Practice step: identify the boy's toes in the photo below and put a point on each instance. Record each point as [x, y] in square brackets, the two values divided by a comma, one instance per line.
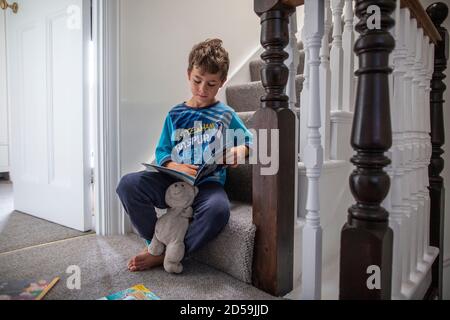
[134, 269]
[131, 263]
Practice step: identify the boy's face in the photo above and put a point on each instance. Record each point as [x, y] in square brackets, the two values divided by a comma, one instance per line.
[204, 86]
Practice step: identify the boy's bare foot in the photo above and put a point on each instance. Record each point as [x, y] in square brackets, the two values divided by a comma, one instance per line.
[144, 261]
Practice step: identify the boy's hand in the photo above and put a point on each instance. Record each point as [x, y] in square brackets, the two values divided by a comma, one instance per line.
[185, 168]
[236, 156]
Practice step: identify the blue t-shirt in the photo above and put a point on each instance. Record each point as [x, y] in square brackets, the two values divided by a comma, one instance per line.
[189, 133]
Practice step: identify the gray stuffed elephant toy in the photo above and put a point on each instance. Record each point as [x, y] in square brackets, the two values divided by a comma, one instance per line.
[171, 227]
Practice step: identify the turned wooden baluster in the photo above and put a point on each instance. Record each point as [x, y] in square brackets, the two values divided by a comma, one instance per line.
[407, 162]
[438, 12]
[366, 239]
[337, 57]
[429, 153]
[396, 172]
[304, 95]
[325, 84]
[292, 62]
[348, 41]
[313, 159]
[415, 196]
[273, 195]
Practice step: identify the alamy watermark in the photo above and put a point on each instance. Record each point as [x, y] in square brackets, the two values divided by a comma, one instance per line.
[374, 280]
[73, 282]
[263, 146]
[374, 19]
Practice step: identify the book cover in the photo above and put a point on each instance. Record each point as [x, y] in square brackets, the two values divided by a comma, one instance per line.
[138, 292]
[26, 289]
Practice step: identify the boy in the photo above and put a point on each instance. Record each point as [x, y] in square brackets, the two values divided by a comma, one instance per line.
[140, 193]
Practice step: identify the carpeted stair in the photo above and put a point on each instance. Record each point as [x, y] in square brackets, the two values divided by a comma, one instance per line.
[232, 251]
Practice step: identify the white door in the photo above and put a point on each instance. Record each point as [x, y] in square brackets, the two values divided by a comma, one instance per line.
[47, 54]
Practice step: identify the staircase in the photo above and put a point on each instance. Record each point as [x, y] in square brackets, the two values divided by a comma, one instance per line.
[232, 251]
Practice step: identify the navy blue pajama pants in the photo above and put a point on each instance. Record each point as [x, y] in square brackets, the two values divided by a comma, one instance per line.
[141, 192]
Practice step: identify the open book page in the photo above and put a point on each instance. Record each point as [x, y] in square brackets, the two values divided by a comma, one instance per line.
[204, 171]
[173, 173]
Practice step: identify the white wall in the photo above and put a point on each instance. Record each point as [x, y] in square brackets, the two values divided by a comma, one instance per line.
[446, 172]
[156, 38]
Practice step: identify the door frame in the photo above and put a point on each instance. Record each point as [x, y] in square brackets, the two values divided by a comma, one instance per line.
[8, 113]
[110, 217]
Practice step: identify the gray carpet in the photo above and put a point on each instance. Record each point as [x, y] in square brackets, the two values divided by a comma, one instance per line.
[103, 271]
[232, 250]
[22, 231]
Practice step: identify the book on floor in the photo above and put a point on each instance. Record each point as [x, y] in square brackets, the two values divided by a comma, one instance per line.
[26, 289]
[137, 292]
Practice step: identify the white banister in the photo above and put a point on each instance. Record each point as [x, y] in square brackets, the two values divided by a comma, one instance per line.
[313, 159]
[292, 62]
[416, 149]
[348, 41]
[407, 164]
[427, 253]
[408, 201]
[325, 84]
[396, 172]
[304, 95]
[337, 57]
[423, 161]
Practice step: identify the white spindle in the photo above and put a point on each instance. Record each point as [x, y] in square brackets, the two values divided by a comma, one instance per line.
[431, 48]
[304, 98]
[313, 159]
[337, 57]
[396, 171]
[423, 162]
[415, 159]
[325, 84]
[406, 184]
[348, 41]
[292, 62]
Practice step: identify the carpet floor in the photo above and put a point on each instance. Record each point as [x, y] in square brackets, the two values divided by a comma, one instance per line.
[22, 231]
[102, 264]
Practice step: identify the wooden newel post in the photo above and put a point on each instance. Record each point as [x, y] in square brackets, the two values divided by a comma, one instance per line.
[366, 239]
[273, 192]
[438, 12]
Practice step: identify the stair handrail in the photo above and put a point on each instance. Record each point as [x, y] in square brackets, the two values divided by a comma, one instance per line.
[422, 18]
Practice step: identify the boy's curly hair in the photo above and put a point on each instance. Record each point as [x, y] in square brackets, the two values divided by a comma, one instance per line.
[209, 56]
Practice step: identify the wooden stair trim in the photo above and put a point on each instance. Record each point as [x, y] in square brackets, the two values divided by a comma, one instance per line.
[423, 20]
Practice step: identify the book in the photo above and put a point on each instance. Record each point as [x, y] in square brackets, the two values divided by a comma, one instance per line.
[210, 165]
[26, 289]
[203, 171]
[137, 292]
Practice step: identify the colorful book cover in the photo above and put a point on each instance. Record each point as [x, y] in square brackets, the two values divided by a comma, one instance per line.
[138, 292]
[25, 289]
